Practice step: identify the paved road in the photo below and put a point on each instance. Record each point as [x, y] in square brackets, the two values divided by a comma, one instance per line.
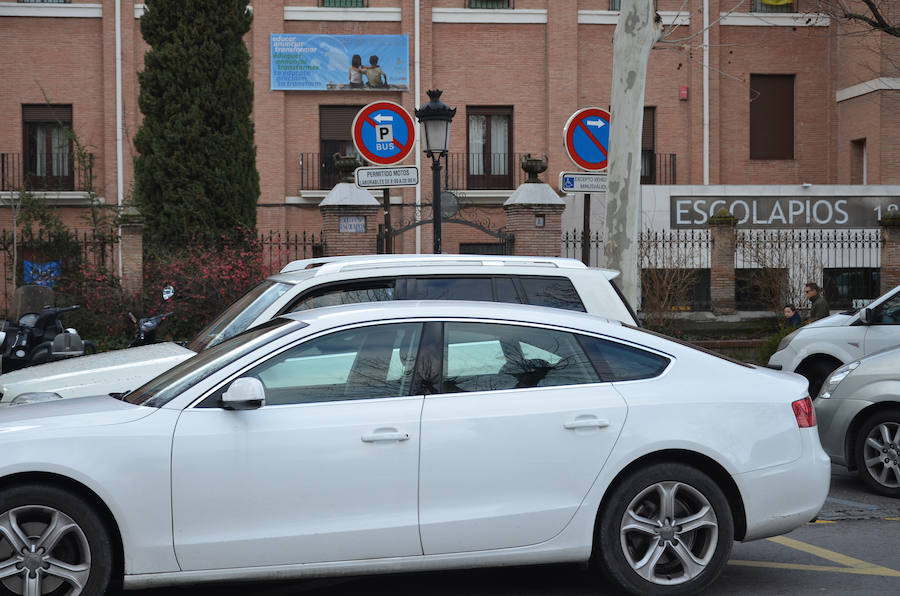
[851, 549]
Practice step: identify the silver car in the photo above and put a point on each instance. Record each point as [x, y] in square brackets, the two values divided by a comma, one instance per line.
[858, 410]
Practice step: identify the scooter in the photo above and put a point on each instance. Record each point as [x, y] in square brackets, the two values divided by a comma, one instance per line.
[145, 329]
[39, 338]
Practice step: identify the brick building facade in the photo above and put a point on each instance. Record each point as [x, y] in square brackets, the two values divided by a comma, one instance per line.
[519, 69]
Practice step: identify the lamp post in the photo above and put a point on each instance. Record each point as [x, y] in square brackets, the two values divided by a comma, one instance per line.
[435, 117]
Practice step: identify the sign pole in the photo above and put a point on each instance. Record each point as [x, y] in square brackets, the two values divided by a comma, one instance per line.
[586, 231]
[388, 238]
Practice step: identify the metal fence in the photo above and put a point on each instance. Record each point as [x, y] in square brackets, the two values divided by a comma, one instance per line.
[773, 266]
[279, 248]
[43, 258]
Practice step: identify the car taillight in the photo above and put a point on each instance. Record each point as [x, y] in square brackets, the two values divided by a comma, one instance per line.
[805, 413]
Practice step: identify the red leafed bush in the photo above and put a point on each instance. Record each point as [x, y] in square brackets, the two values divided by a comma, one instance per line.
[206, 276]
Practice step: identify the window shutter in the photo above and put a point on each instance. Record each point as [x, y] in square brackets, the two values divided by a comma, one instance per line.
[771, 116]
[648, 132]
[46, 113]
[335, 122]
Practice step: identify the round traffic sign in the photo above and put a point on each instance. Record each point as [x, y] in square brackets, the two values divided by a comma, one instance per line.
[383, 132]
[586, 136]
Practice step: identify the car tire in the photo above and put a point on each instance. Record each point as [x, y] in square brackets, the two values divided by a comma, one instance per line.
[877, 452]
[59, 540]
[642, 547]
[816, 372]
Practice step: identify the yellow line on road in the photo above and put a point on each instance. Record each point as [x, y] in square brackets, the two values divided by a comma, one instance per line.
[823, 521]
[882, 571]
[892, 518]
[848, 564]
[829, 555]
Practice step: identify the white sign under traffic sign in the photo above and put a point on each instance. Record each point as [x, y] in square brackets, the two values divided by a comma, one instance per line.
[582, 182]
[387, 177]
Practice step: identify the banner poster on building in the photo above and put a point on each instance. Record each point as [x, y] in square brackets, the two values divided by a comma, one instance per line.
[339, 62]
[783, 211]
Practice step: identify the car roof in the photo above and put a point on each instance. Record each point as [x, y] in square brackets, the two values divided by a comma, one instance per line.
[524, 313]
[406, 264]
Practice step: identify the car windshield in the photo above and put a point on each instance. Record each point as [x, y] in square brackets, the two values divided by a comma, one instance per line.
[240, 315]
[173, 382]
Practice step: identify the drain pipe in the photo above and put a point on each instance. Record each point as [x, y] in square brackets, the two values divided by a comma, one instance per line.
[120, 174]
[705, 92]
[418, 145]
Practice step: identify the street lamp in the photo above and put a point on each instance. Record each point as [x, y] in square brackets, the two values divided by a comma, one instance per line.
[435, 117]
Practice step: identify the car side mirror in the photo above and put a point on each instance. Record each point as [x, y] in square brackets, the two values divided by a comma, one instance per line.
[865, 316]
[246, 393]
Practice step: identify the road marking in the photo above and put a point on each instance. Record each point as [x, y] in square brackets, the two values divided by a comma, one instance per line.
[853, 504]
[848, 564]
[823, 521]
[892, 518]
[882, 571]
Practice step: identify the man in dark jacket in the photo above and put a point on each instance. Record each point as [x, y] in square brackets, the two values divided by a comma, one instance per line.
[818, 308]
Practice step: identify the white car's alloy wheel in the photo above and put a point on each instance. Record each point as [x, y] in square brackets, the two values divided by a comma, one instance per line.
[669, 533]
[666, 529]
[44, 550]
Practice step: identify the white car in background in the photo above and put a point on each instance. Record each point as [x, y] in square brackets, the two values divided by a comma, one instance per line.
[393, 437]
[310, 283]
[816, 349]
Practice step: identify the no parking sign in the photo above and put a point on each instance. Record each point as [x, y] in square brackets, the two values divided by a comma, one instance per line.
[383, 132]
[586, 136]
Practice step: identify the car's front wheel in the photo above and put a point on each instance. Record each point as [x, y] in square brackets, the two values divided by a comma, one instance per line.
[51, 543]
[667, 529]
[877, 452]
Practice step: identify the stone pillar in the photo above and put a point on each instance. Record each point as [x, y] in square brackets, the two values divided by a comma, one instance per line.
[890, 253]
[534, 214]
[350, 215]
[721, 262]
[132, 238]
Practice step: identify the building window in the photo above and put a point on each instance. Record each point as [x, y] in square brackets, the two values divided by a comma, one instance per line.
[342, 3]
[490, 147]
[772, 6]
[771, 116]
[335, 136]
[490, 3]
[844, 285]
[648, 147]
[48, 147]
[858, 174]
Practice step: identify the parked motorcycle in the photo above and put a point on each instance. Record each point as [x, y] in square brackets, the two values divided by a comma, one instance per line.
[39, 338]
[145, 329]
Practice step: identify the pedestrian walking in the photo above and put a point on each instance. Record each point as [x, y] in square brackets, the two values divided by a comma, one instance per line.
[818, 307]
[791, 317]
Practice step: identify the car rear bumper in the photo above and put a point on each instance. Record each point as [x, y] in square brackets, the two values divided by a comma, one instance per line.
[781, 498]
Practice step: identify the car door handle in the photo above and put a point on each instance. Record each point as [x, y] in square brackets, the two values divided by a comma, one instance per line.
[384, 435]
[586, 422]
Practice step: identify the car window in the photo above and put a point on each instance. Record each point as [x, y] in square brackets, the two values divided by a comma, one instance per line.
[173, 382]
[490, 356]
[240, 315]
[555, 292]
[350, 293]
[620, 362]
[360, 363]
[505, 290]
[888, 312]
[450, 288]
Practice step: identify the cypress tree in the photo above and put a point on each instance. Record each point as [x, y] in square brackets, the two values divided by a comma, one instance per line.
[196, 169]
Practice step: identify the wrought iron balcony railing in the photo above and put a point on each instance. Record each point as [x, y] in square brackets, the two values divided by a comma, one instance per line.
[59, 172]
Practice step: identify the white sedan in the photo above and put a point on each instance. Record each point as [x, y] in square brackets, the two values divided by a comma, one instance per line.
[409, 436]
